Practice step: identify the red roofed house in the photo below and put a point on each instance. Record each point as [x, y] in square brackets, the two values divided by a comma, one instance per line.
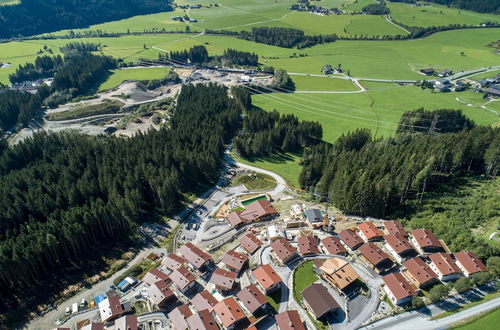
[252, 299]
[255, 211]
[289, 320]
[425, 241]
[183, 279]
[419, 272]
[283, 250]
[160, 294]
[177, 318]
[267, 278]
[202, 320]
[395, 227]
[223, 280]
[398, 289]
[195, 256]
[172, 261]
[93, 326]
[110, 308]
[204, 300]
[229, 313]
[469, 263]
[235, 261]
[444, 266]
[369, 233]
[127, 322]
[332, 245]
[154, 276]
[377, 259]
[350, 239]
[308, 245]
[399, 247]
[251, 243]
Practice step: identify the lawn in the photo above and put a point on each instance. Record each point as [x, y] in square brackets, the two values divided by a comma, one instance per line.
[85, 110]
[136, 74]
[488, 321]
[303, 277]
[312, 83]
[255, 181]
[484, 75]
[436, 15]
[274, 299]
[469, 305]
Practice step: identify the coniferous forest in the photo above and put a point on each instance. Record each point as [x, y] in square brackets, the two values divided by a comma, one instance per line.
[62, 193]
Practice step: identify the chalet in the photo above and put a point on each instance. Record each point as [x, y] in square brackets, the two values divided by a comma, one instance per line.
[369, 233]
[251, 243]
[445, 73]
[283, 250]
[195, 256]
[267, 278]
[399, 291]
[154, 276]
[350, 239]
[399, 247]
[419, 272]
[203, 320]
[252, 299]
[289, 320]
[395, 227]
[374, 257]
[183, 279]
[428, 71]
[339, 273]
[444, 266]
[314, 218]
[469, 263]
[160, 294]
[177, 318]
[425, 241]
[235, 261]
[110, 308]
[256, 211]
[223, 280]
[204, 300]
[93, 326]
[172, 261]
[319, 301]
[332, 245]
[229, 313]
[327, 69]
[308, 245]
[127, 322]
[492, 92]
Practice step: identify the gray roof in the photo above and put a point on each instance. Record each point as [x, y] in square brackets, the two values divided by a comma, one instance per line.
[314, 215]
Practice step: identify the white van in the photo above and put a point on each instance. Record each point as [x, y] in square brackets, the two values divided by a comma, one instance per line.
[74, 308]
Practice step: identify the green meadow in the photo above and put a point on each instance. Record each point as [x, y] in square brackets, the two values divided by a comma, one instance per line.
[312, 83]
[136, 74]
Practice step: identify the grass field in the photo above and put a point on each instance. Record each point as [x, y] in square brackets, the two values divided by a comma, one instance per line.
[255, 181]
[488, 321]
[86, 110]
[436, 15]
[485, 75]
[136, 74]
[469, 305]
[311, 83]
[303, 277]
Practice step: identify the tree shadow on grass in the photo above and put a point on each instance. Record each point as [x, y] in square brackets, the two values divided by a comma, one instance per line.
[278, 158]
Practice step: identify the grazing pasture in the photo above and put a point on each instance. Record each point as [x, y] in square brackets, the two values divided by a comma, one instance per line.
[136, 74]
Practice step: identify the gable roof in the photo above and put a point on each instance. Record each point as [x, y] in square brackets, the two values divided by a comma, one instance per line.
[179, 316]
[251, 243]
[398, 243]
[110, 307]
[204, 300]
[182, 277]
[319, 299]
[252, 298]
[470, 262]
[252, 212]
[289, 320]
[350, 238]
[308, 245]
[425, 238]
[399, 287]
[395, 227]
[229, 312]
[332, 245]
[314, 215]
[283, 248]
[172, 261]
[266, 276]
[194, 255]
[223, 278]
[339, 271]
[159, 292]
[369, 230]
[202, 320]
[420, 270]
[444, 263]
[235, 260]
[154, 275]
[373, 254]
[127, 322]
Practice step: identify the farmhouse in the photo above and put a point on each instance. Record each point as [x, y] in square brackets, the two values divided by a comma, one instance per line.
[399, 247]
[283, 250]
[252, 298]
[369, 233]
[425, 241]
[289, 320]
[204, 300]
[351, 239]
[308, 245]
[127, 322]
[154, 276]
[229, 313]
[398, 289]
[172, 261]
[327, 69]
[255, 211]
[339, 273]
[183, 279]
[428, 71]
[160, 294]
[267, 278]
[445, 73]
[493, 92]
[177, 318]
[251, 243]
[223, 279]
[332, 245]
[318, 300]
[110, 308]
[469, 263]
[235, 261]
[395, 227]
[444, 266]
[374, 257]
[419, 272]
[195, 257]
[203, 320]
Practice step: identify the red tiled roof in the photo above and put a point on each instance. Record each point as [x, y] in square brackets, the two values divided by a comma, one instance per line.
[252, 298]
[282, 248]
[202, 320]
[399, 287]
[395, 227]
[470, 262]
[308, 245]
[333, 246]
[369, 230]
[204, 300]
[398, 243]
[194, 255]
[178, 317]
[373, 253]
[250, 242]
[182, 277]
[266, 276]
[172, 261]
[252, 212]
[444, 263]
[289, 320]
[223, 279]
[350, 238]
[229, 312]
[127, 322]
[153, 276]
[425, 238]
[420, 270]
[159, 292]
[235, 260]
